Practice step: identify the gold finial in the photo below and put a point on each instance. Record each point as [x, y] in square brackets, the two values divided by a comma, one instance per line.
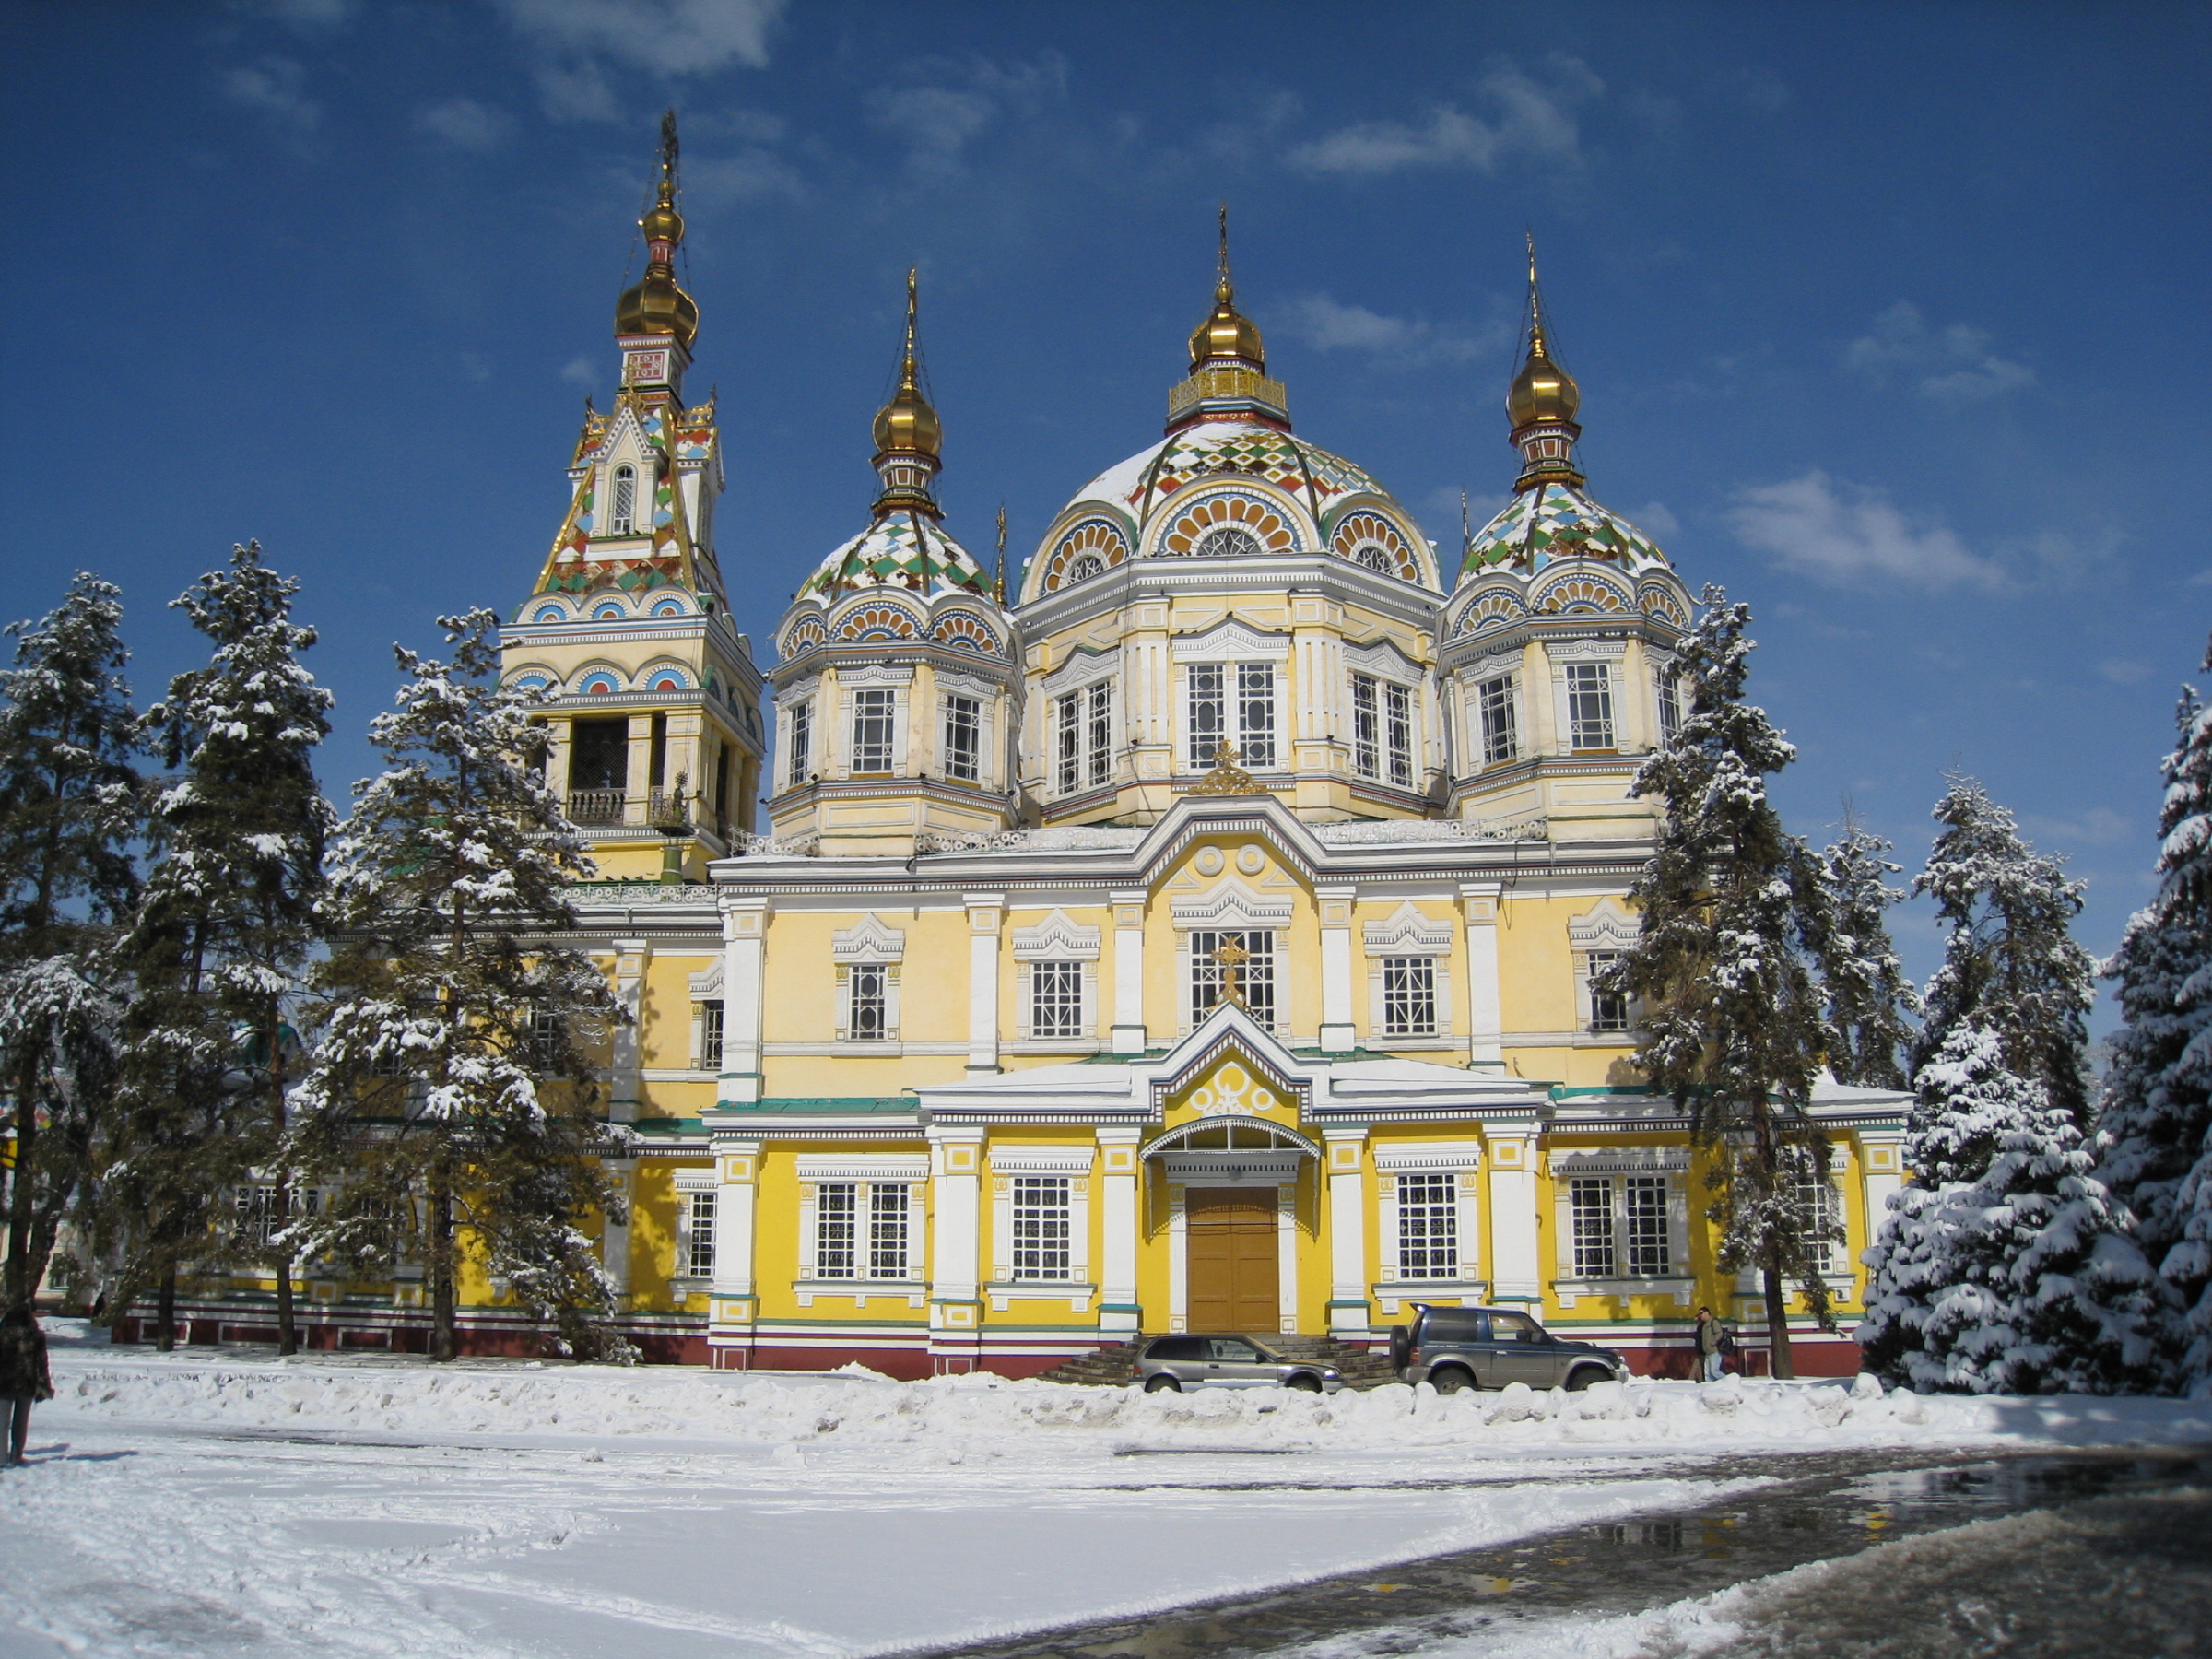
[1227, 777]
[998, 576]
[913, 308]
[907, 425]
[1231, 957]
[1226, 333]
[1225, 291]
[1466, 527]
[657, 305]
[1536, 303]
[1543, 390]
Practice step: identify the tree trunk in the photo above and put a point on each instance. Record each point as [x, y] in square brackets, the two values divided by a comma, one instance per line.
[287, 1341]
[165, 1313]
[288, 1336]
[442, 1272]
[15, 1285]
[1778, 1363]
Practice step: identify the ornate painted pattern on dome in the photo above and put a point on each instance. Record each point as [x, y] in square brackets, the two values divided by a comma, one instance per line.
[1493, 610]
[1540, 527]
[1237, 524]
[964, 631]
[904, 550]
[1370, 539]
[876, 622]
[1089, 549]
[1583, 595]
[1208, 452]
[630, 575]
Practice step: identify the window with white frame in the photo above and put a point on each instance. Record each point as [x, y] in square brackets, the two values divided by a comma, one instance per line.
[1429, 1226]
[1256, 974]
[1643, 1203]
[1043, 1216]
[1592, 1214]
[257, 1217]
[1609, 1009]
[875, 728]
[866, 990]
[1056, 999]
[890, 1230]
[710, 1036]
[1590, 705]
[1098, 731]
[1255, 714]
[1381, 730]
[799, 758]
[1409, 996]
[962, 759]
[836, 1229]
[1622, 1227]
[1232, 702]
[1083, 738]
[1821, 1206]
[1667, 684]
[696, 1247]
[622, 511]
[1494, 710]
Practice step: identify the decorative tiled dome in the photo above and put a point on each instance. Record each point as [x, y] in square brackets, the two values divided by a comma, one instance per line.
[904, 550]
[1539, 527]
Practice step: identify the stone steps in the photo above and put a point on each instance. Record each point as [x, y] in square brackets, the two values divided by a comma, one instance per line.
[1115, 1364]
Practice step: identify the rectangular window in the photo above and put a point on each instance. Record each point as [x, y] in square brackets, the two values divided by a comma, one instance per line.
[868, 995]
[1670, 686]
[1609, 1009]
[1367, 727]
[963, 738]
[1055, 999]
[1256, 974]
[698, 1244]
[1645, 1218]
[887, 1231]
[542, 1044]
[710, 1036]
[1593, 1196]
[1100, 734]
[872, 729]
[1494, 701]
[1817, 1196]
[1067, 745]
[599, 756]
[1209, 715]
[1408, 996]
[836, 1230]
[802, 743]
[1041, 1221]
[1590, 705]
[1397, 733]
[257, 1216]
[1428, 1227]
[1255, 714]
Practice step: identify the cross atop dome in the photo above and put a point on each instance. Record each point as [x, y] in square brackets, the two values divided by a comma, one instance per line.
[655, 320]
[1541, 403]
[1228, 364]
[909, 436]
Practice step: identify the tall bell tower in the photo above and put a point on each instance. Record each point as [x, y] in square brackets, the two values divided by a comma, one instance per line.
[658, 739]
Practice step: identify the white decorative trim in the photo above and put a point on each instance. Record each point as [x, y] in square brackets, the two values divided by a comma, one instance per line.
[867, 940]
[706, 984]
[1041, 1161]
[1382, 659]
[1622, 1161]
[967, 685]
[1409, 933]
[881, 674]
[1427, 1155]
[884, 1167]
[1231, 640]
[1080, 670]
[1233, 906]
[1059, 938]
[1607, 925]
[1586, 650]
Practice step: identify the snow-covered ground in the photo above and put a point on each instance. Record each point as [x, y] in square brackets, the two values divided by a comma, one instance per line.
[234, 1504]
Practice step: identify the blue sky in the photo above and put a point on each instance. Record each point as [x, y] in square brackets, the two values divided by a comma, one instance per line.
[1889, 318]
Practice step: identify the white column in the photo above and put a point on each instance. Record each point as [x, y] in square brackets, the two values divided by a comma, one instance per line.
[1347, 1177]
[985, 912]
[1285, 1254]
[1882, 1174]
[1338, 1033]
[956, 1242]
[1485, 1015]
[632, 956]
[735, 1300]
[1118, 1227]
[1128, 971]
[614, 1236]
[744, 952]
[1516, 1262]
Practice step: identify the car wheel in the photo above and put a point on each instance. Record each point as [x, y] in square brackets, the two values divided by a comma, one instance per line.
[1451, 1379]
[1583, 1376]
[1304, 1385]
[1162, 1385]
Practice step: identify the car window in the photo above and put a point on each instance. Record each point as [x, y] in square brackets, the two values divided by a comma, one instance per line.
[1177, 1348]
[1450, 1324]
[1230, 1351]
[1516, 1327]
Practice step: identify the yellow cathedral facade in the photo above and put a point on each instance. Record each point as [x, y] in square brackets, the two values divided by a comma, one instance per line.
[1199, 937]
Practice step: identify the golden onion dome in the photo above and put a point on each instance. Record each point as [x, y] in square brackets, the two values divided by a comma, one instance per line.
[656, 305]
[1542, 391]
[1226, 332]
[907, 425]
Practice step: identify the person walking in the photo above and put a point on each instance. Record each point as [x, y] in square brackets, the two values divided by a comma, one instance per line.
[1710, 1336]
[23, 1377]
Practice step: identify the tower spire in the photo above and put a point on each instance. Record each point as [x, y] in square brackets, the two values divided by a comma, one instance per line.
[909, 436]
[1541, 403]
[657, 306]
[998, 574]
[1228, 360]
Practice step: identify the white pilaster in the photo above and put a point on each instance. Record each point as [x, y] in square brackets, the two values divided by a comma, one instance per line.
[734, 1305]
[986, 912]
[614, 1237]
[1882, 1174]
[1347, 1176]
[956, 1159]
[1285, 1254]
[1118, 1222]
[1128, 971]
[1337, 1035]
[1517, 1272]
[743, 954]
[1485, 1015]
[632, 957]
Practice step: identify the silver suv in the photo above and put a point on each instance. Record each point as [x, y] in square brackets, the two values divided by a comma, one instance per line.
[1489, 1347]
[1180, 1362]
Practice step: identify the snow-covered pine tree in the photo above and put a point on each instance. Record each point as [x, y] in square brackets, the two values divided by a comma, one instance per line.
[2154, 1126]
[2010, 963]
[1869, 998]
[70, 802]
[1735, 1029]
[453, 1066]
[222, 939]
[2023, 1281]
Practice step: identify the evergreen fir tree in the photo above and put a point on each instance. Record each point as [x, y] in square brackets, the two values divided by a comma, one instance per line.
[1869, 998]
[69, 810]
[1732, 906]
[453, 1066]
[222, 938]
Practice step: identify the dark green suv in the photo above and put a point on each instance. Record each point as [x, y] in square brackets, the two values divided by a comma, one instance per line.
[1489, 1347]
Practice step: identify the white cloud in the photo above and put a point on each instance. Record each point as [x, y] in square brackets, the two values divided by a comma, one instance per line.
[947, 104]
[712, 181]
[1528, 117]
[574, 41]
[2123, 671]
[1953, 364]
[1850, 538]
[2098, 826]
[275, 88]
[1326, 324]
[465, 124]
[1654, 517]
[581, 372]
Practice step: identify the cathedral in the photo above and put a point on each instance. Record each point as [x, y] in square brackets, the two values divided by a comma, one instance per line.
[1198, 933]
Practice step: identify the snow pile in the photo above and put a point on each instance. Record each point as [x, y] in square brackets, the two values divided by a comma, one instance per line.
[955, 1417]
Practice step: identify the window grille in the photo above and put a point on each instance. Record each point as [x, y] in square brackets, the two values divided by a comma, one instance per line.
[623, 511]
[1069, 734]
[1055, 999]
[868, 993]
[1209, 715]
[872, 729]
[543, 1043]
[1500, 741]
[1397, 732]
[1428, 1227]
[1592, 1198]
[1256, 712]
[1817, 1200]
[1367, 728]
[1229, 541]
[1408, 996]
[1645, 1202]
[710, 1036]
[257, 1216]
[1670, 686]
[1042, 1223]
[1256, 974]
[887, 1231]
[699, 1235]
[1590, 705]
[801, 761]
[1609, 1009]
[963, 738]
[836, 1229]
[1101, 731]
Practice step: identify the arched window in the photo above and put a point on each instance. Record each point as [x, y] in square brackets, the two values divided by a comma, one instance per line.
[622, 516]
[1232, 541]
[1375, 557]
[1086, 567]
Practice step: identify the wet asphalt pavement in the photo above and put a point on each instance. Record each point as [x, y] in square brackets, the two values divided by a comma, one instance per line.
[1936, 1558]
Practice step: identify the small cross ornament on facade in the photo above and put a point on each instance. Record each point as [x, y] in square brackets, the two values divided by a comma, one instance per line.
[1231, 957]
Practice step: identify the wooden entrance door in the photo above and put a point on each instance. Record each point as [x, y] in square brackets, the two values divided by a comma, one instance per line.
[1230, 1251]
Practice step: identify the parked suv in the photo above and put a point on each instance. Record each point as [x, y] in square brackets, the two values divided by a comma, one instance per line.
[1489, 1347]
[1180, 1362]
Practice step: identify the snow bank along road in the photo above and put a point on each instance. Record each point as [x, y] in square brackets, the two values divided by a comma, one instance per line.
[201, 1503]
